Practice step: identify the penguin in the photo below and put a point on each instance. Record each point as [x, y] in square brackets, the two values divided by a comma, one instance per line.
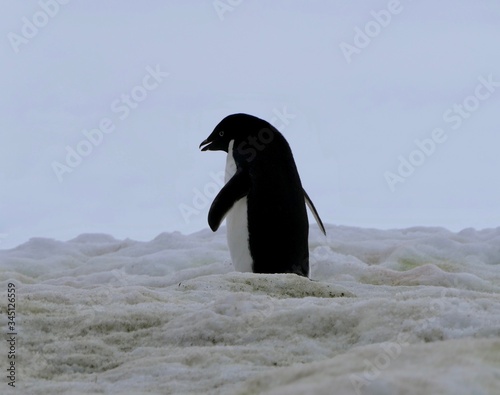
[263, 198]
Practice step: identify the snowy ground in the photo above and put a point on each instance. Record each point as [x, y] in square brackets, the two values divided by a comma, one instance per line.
[413, 311]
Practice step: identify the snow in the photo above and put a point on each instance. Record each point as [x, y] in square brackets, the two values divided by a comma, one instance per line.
[397, 311]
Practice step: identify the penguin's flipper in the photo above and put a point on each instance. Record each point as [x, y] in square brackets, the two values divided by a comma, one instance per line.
[236, 188]
[314, 212]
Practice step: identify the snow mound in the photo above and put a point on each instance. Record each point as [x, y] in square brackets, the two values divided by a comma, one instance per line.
[386, 312]
[273, 285]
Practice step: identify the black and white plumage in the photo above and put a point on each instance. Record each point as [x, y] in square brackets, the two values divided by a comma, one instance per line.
[263, 198]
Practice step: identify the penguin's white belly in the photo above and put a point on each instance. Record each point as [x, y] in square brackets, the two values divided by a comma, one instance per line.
[237, 236]
[237, 225]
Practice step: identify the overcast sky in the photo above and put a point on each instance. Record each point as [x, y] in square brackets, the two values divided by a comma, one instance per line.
[391, 110]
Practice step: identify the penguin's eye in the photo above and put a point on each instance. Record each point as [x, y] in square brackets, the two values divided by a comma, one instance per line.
[221, 133]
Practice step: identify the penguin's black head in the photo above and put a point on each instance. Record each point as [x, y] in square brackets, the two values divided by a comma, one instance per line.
[235, 127]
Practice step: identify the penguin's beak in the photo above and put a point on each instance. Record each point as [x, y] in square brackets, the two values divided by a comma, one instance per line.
[206, 144]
